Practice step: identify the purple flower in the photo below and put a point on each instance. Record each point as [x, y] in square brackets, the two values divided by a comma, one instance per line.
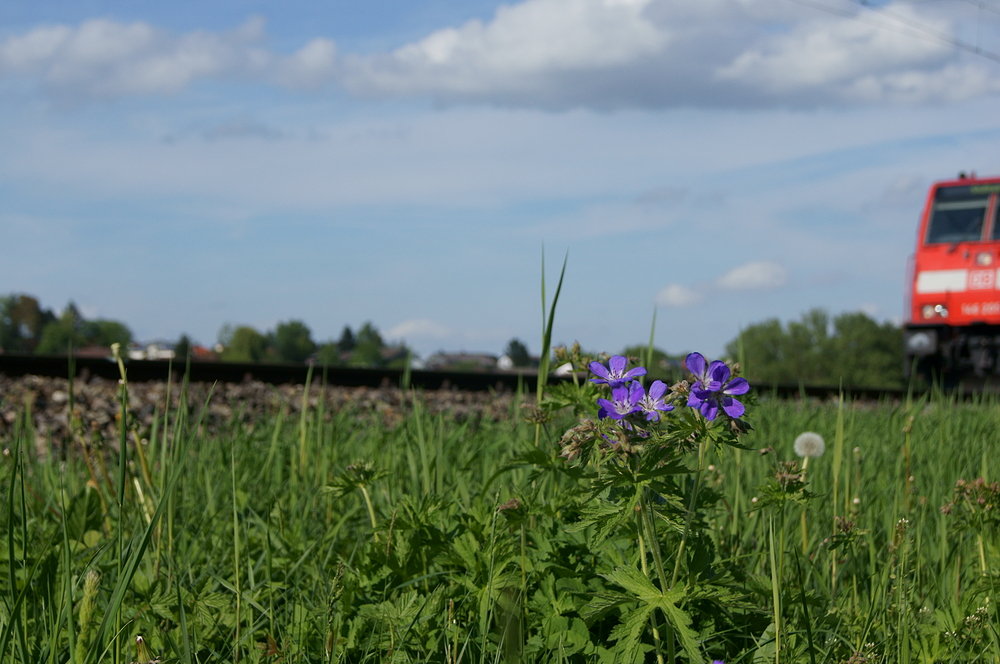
[713, 389]
[624, 401]
[703, 372]
[653, 401]
[614, 374]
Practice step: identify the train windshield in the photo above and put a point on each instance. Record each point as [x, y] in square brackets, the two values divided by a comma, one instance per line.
[958, 215]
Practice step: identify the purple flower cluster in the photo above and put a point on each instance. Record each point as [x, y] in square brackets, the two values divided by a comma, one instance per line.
[628, 396]
[713, 390]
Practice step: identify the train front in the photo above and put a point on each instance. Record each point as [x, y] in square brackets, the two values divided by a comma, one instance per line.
[952, 331]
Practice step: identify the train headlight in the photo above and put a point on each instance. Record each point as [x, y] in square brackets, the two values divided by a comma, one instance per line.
[934, 311]
[984, 258]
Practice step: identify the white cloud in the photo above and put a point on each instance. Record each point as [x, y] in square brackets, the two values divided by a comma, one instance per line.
[102, 58]
[550, 54]
[419, 328]
[662, 53]
[678, 295]
[759, 275]
[869, 57]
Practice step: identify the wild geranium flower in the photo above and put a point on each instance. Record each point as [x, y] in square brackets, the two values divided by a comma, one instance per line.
[651, 403]
[702, 370]
[614, 374]
[713, 389]
[624, 401]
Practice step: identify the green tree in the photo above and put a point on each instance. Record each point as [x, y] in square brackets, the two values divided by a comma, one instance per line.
[347, 340]
[292, 341]
[368, 347]
[60, 334]
[328, 354]
[102, 332]
[182, 348]
[517, 351]
[21, 323]
[243, 344]
[662, 366]
[852, 349]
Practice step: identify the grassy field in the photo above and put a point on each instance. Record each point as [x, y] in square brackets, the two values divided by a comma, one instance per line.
[335, 537]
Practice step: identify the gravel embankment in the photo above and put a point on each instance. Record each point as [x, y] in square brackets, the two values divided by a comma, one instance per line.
[96, 401]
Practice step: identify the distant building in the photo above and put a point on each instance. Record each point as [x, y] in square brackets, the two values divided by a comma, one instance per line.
[156, 350]
[442, 361]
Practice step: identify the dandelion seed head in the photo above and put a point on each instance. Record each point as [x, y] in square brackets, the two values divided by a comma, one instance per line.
[754, 499]
[857, 501]
[810, 444]
[711, 468]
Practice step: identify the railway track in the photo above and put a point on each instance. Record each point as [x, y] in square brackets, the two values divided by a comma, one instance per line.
[57, 366]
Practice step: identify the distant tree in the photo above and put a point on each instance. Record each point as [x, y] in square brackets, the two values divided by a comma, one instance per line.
[347, 340]
[182, 348]
[103, 332]
[57, 337]
[368, 346]
[852, 349]
[63, 332]
[292, 341]
[517, 351]
[21, 323]
[663, 366]
[328, 354]
[245, 345]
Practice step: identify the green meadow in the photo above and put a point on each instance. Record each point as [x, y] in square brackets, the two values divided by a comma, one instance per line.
[338, 537]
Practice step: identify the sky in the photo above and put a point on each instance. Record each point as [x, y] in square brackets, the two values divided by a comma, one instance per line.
[186, 165]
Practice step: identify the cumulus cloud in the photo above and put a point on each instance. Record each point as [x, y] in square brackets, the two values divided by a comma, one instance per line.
[103, 58]
[759, 275]
[678, 295]
[420, 328]
[662, 53]
[754, 276]
[553, 54]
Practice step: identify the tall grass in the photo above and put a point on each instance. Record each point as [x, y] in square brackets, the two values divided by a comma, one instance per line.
[445, 540]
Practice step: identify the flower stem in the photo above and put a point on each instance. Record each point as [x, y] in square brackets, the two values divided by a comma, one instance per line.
[371, 510]
[690, 515]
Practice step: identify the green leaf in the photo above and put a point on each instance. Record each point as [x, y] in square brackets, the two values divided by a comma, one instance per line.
[635, 582]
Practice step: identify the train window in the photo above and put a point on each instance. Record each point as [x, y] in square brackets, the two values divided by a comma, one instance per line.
[996, 223]
[957, 217]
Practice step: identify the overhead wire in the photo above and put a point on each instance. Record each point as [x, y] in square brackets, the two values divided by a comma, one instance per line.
[924, 32]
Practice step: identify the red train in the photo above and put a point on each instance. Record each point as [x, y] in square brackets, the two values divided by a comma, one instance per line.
[952, 329]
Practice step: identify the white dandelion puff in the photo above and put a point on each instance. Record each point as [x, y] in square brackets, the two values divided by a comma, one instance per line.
[810, 444]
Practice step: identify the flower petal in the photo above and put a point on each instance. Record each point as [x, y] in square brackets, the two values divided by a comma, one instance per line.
[737, 386]
[606, 408]
[635, 373]
[718, 371]
[599, 369]
[710, 409]
[617, 365]
[732, 407]
[657, 389]
[696, 364]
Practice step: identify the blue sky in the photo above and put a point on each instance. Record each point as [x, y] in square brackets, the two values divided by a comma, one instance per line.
[180, 166]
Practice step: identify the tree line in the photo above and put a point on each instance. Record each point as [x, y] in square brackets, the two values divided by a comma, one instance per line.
[292, 341]
[25, 327]
[850, 349]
